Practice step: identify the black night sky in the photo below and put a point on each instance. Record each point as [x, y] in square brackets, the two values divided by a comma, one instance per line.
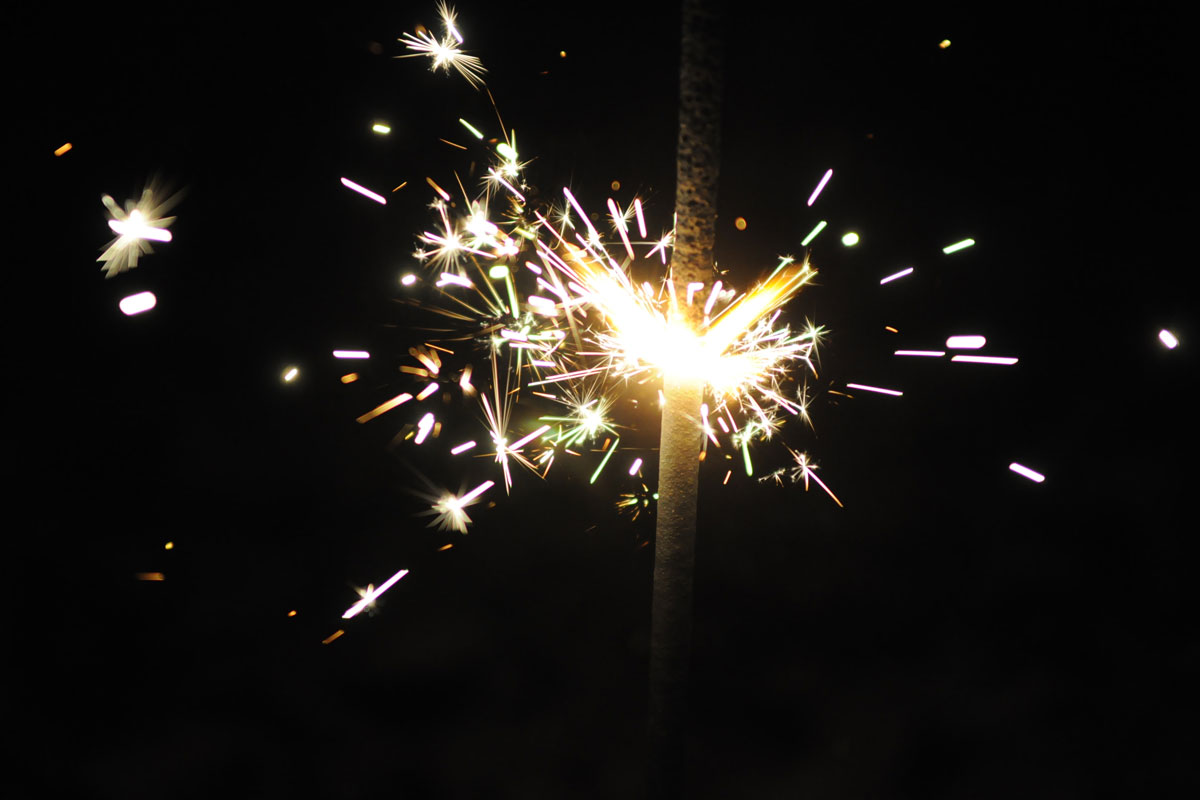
[955, 631]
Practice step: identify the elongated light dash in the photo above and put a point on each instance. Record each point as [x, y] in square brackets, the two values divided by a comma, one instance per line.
[965, 342]
[985, 359]
[954, 248]
[63, 149]
[372, 594]
[813, 198]
[137, 303]
[892, 392]
[474, 131]
[899, 274]
[928, 353]
[384, 407]
[813, 233]
[351, 354]
[365, 192]
[1020, 469]
[462, 448]
[637, 464]
[379, 127]
[1168, 339]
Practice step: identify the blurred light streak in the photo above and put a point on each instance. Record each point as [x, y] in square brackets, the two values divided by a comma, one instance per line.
[428, 390]
[424, 427]
[292, 613]
[371, 594]
[900, 274]
[445, 547]
[137, 303]
[332, 636]
[985, 359]
[965, 342]
[1022, 470]
[408, 279]
[379, 127]
[351, 354]
[474, 131]
[892, 392]
[954, 248]
[169, 546]
[637, 464]
[813, 233]
[63, 149]
[365, 192]
[383, 408]
[136, 228]
[442, 192]
[929, 353]
[291, 374]
[813, 198]
[1168, 339]
[462, 448]
[607, 455]
[944, 43]
[349, 377]
[150, 576]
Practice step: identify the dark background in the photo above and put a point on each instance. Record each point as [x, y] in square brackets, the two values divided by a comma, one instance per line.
[955, 631]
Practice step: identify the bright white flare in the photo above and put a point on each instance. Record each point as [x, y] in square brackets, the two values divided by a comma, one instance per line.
[445, 52]
[965, 342]
[135, 225]
[450, 510]
[1168, 339]
[351, 354]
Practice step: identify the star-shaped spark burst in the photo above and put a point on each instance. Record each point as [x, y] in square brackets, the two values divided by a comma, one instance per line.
[445, 52]
[136, 226]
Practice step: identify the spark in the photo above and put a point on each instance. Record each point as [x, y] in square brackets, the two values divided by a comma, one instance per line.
[850, 239]
[379, 127]
[135, 226]
[806, 470]
[462, 448]
[824, 180]
[900, 274]
[408, 280]
[928, 353]
[1168, 339]
[1024, 471]
[892, 392]
[635, 466]
[971, 342]
[1008, 360]
[813, 233]
[351, 354]
[445, 52]
[954, 248]
[371, 594]
[63, 149]
[474, 131]
[290, 374]
[450, 510]
[424, 427]
[137, 303]
[365, 192]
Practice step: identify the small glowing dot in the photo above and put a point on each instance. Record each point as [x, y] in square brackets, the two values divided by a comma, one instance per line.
[290, 374]
[1168, 339]
[944, 43]
[62, 149]
[616, 186]
[497, 272]
[850, 239]
[137, 303]
[292, 613]
[409, 279]
[379, 127]
[562, 53]
[740, 223]
[350, 377]
[169, 546]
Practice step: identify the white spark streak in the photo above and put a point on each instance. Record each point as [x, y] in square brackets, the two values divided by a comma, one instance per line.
[900, 274]
[351, 354]
[637, 464]
[820, 186]
[462, 448]
[985, 359]
[930, 353]
[1024, 471]
[370, 595]
[892, 392]
[965, 342]
[1168, 339]
[365, 192]
[954, 248]
[424, 427]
